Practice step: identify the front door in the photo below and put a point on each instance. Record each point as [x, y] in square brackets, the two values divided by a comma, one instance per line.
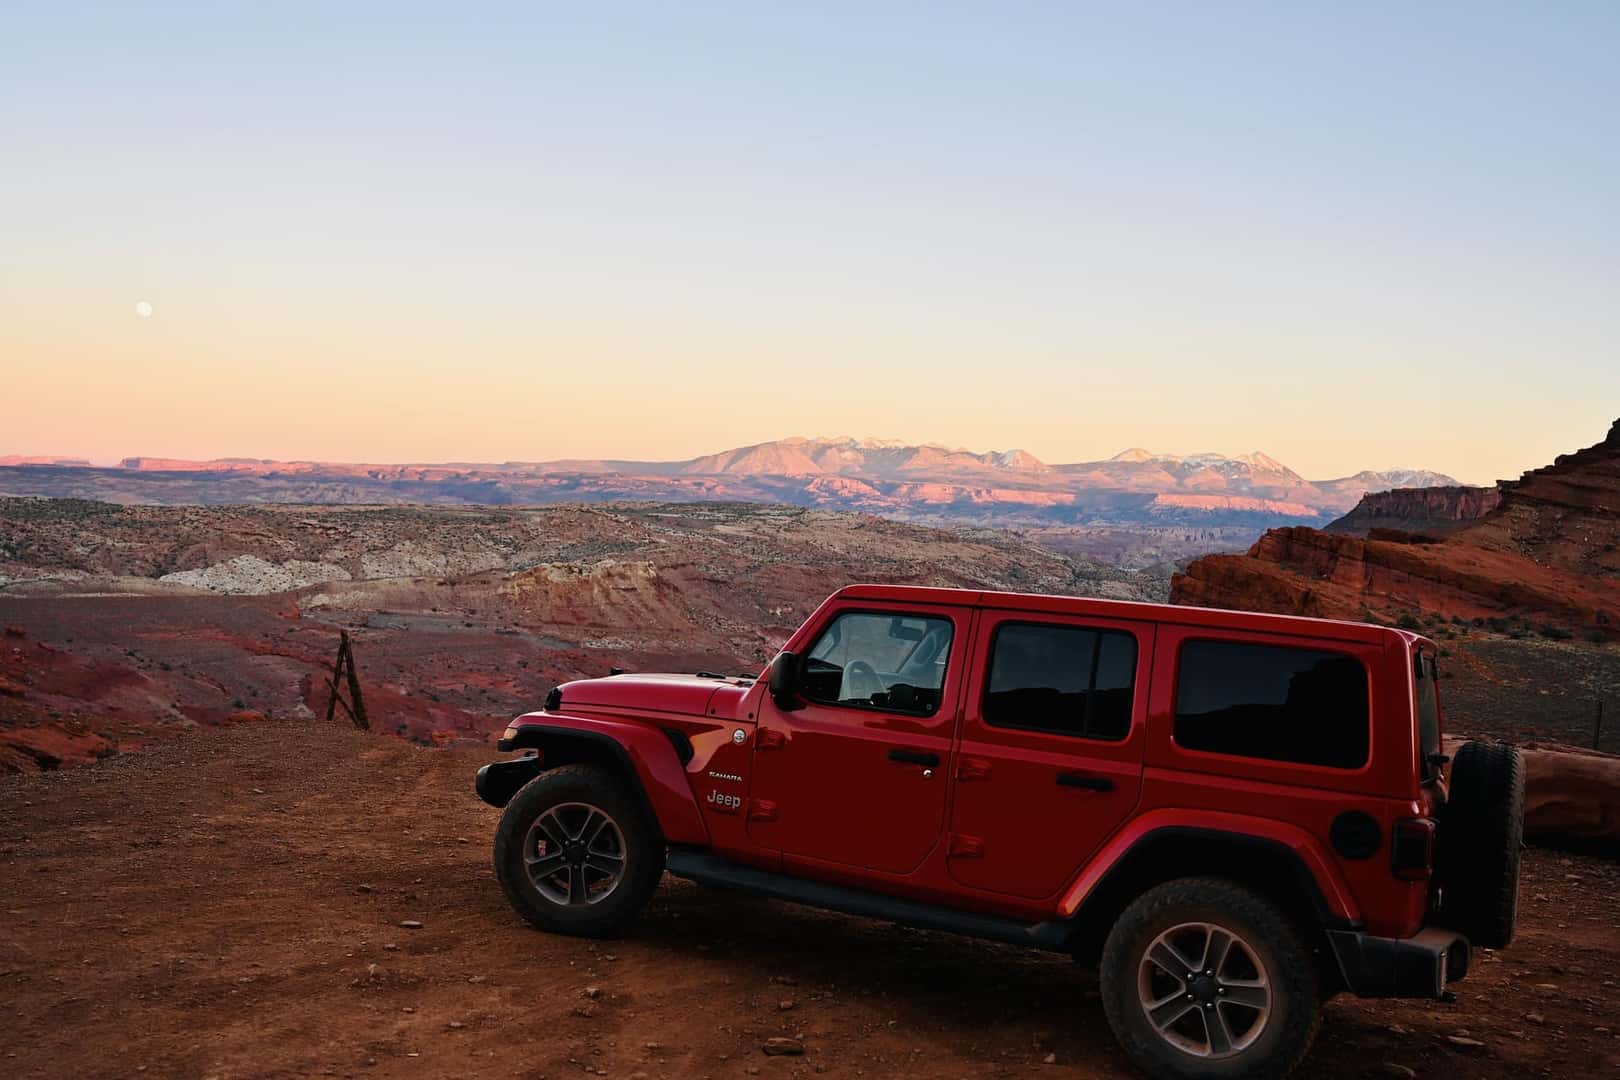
[856, 774]
[1052, 744]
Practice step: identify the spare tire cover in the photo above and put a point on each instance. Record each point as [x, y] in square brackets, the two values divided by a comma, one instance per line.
[1481, 831]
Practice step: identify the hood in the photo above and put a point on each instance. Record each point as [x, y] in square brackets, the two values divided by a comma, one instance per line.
[692, 695]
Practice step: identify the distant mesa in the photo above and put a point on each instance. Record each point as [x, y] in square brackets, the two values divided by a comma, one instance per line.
[18, 460]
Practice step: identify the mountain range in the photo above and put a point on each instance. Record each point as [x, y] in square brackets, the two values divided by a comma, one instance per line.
[928, 481]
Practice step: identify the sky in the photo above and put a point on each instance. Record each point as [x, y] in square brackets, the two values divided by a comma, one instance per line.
[1349, 236]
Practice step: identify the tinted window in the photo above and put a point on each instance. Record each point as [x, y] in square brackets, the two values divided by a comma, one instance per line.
[873, 661]
[1063, 679]
[1426, 670]
[1273, 702]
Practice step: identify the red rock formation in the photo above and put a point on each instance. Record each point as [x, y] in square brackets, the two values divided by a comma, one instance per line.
[1549, 551]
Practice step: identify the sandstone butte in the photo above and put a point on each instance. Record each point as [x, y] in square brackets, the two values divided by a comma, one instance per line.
[1548, 551]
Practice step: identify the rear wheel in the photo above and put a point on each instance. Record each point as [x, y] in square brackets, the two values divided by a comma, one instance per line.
[1202, 978]
[576, 854]
[1481, 834]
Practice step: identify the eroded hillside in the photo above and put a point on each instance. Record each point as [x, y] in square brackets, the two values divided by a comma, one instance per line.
[131, 623]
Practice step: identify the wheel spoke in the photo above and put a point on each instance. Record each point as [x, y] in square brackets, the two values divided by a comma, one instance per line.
[1253, 995]
[592, 834]
[553, 828]
[1169, 961]
[546, 865]
[594, 820]
[577, 893]
[1220, 1036]
[604, 863]
[1216, 948]
[1170, 1010]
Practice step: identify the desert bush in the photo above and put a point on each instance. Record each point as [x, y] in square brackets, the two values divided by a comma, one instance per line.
[1409, 621]
[1555, 633]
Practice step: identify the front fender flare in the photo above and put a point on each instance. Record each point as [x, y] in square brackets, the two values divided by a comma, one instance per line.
[645, 754]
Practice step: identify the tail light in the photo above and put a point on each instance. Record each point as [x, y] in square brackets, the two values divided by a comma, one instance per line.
[1411, 848]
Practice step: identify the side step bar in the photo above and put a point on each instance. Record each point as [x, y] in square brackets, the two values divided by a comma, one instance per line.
[709, 869]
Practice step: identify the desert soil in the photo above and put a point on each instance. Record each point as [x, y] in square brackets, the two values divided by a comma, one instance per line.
[233, 903]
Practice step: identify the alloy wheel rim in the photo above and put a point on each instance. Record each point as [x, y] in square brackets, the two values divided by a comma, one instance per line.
[1204, 990]
[574, 855]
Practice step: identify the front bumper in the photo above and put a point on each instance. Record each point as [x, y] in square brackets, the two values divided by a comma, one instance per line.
[498, 781]
[1414, 967]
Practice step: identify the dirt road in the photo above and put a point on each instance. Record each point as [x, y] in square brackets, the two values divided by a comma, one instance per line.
[230, 904]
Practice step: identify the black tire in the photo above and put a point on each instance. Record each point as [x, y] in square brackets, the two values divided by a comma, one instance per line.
[566, 790]
[1271, 943]
[1481, 832]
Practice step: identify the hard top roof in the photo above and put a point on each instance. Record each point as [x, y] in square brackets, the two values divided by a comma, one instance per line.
[1213, 618]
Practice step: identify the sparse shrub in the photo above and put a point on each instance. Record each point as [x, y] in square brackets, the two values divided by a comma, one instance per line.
[238, 703]
[1518, 633]
[1409, 621]
[1497, 624]
[1555, 633]
[1595, 636]
[1458, 620]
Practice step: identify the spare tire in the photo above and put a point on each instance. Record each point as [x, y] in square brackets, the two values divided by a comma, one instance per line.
[1481, 829]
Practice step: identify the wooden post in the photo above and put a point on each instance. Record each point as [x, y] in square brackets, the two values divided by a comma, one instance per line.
[343, 671]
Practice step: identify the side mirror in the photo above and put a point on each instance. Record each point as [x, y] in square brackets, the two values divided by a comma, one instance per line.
[783, 679]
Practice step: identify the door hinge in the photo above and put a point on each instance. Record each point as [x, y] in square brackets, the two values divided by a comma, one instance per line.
[965, 847]
[769, 739]
[761, 810]
[972, 769]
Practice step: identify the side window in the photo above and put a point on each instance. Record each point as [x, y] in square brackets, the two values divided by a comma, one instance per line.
[877, 661]
[1065, 680]
[1276, 702]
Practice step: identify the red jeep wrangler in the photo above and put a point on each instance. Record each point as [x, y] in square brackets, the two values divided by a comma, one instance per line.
[1235, 816]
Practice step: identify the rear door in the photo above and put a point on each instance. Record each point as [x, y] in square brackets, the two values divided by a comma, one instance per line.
[1050, 761]
[857, 773]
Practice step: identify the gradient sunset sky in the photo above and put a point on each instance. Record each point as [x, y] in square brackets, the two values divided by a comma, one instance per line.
[1350, 236]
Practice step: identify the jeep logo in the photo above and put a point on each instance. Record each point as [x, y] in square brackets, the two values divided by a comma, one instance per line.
[728, 804]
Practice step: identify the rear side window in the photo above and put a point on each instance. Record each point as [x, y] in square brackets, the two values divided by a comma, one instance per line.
[1426, 670]
[1275, 702]
[1065, 680]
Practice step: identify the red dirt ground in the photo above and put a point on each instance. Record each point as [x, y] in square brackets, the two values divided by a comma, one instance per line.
[228, 904]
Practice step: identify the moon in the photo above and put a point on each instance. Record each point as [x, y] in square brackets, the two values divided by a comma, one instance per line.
[143, 309]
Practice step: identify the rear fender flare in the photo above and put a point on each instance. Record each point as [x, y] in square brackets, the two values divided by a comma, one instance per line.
[1318, 875]
[644, 754]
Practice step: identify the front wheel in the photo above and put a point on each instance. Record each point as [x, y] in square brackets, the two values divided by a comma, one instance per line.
[1204, 979]
[576, 853]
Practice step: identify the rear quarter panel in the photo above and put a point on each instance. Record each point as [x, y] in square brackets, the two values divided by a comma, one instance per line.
[1300, 802]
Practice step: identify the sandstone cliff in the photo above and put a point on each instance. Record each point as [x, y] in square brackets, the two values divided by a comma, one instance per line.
[1548, 551]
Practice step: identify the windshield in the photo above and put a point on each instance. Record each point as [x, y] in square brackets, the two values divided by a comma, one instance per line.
[1426, 672]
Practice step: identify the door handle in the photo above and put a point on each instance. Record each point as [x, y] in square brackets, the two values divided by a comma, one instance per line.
[1085, 780]
[913, 757]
